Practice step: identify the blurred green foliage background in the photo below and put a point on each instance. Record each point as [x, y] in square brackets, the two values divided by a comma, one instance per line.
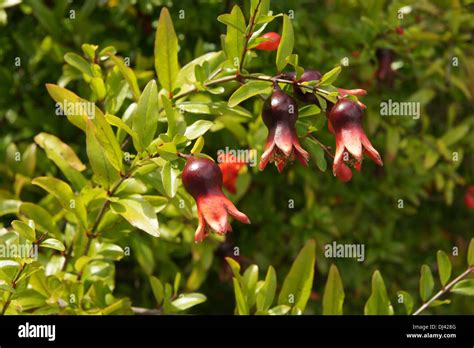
[418, 153]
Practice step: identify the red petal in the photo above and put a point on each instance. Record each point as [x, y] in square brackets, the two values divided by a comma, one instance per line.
[235, 213]
[269, 150]
[344, 173]
[339, 152]
[200, 233]
[351, 139]
[301, 154]
[283, 137]
[358, 92]
[370, 150]
[212, 208]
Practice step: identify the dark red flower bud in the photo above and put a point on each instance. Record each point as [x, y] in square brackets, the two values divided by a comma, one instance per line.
[230, 168]
[385, 59]
[271, 44]
[279, 114]
[308, 97]
[345, 121]
[202, 178]
[469, 197]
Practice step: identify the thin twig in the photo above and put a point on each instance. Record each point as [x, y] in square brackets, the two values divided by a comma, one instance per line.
[249, 35]
[324, 147]
[444, 290]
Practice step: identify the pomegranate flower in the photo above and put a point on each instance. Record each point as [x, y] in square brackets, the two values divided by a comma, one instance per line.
[202, 178]
[230, 167]
[279, 114]
[345, 121]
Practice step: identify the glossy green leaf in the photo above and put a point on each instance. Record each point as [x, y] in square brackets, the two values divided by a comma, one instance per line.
[444, 267]
[317, 153]
[24, 230]
[407, 301]
[233, 21]
[78, 62]
[63, 193]
[464, 287]
[52, 243]
[138, 212]
[329, 77]
[248, 90]
[105, 174]
[166, 51]
[186, 301]
[158, 289]
[171, 116]
[198, 145]
[426, 283]
[308, 110]
[118, 122]
[333, 298]
[75, 108]
[169, 176]
[285, 49]
[128, 74]
[297, 285]
[197, 129]
[43, 220]
[378, 302]
[145, 119]
[235, 39]
[64, 157]
[279, 310]
[266, 293]
[242, 308]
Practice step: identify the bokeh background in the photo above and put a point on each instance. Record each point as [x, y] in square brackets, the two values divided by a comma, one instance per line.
[433, 56]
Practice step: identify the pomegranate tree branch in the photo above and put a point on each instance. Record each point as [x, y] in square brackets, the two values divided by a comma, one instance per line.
[444, 290]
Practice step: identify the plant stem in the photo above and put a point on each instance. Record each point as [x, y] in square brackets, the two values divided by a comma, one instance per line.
[36, 243]
[92, 233]
[249, 35]
[206, 84]
[324, 147]
[288, 82]
[444, 290]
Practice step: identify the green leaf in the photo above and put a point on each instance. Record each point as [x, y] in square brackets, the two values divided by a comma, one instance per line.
[464, 287]
[249, 90]
[242, 308]
[235, 267]
[43, 220]
[166, 51]
[98, 87]
[285, 49]
[333, 298]
[455, 134]
[235, 39]
[444, 267]
[167, 151]
[185, 301]
[171, 116]
[279, 310]
[63, 97]
[158, 289]
[470, 253]
[145, 119]
[407, 301]
[89, 50]
[138, 212]
[197, 129]
[24, 230]
[9, 206]
[266, 293]
[426, 283]
[64, 157]
[308, 110]
[317, 153]
[233, 21]
[215, 108]
[119, 123]
[52, 243]
[128, 74]
[63, 193]
[378, 302]
[250, 279]
[297, 285]
[329, 77]
[198, 145]
[27, 164]
[169, 177]
[78, 62]
[105, 173]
